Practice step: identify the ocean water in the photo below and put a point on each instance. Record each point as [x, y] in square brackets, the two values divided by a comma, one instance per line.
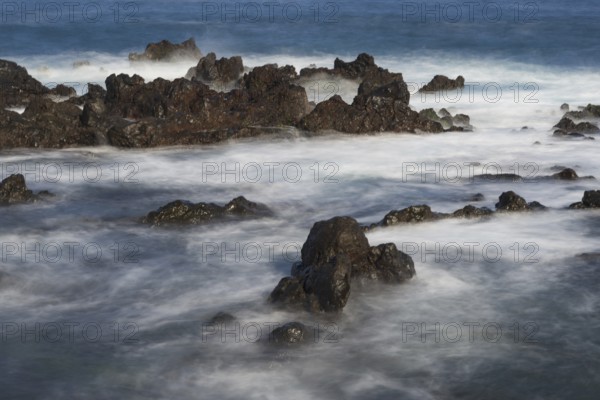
[94, 305]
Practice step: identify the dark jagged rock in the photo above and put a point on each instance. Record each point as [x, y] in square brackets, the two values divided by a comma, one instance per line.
[442, 82]
[334, 236]
[470, 211]
[591, 199]
[289, 334]
[366, 115]
[357, 69]
[17, 87]
[336, 252]
[510, 201]
[410, 214]
[189, 112]
[209, 69]
[386, 264]
[185, 212]
[588, 112]
[167, 51]
[567, 125]
[45, 123]
[13, 190]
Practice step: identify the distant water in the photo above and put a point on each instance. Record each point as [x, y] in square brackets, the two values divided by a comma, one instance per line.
[135, 298]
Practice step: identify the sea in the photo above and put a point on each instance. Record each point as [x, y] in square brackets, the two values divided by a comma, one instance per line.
[96, 305]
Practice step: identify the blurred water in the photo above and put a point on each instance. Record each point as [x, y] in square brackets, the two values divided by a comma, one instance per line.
[135, 298]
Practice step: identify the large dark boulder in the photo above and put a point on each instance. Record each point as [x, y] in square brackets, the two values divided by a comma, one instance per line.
[335, 253]
[167, 51]
[185, 212]
[334, 236]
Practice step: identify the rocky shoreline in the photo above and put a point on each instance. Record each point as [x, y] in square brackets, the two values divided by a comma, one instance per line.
[265, 100]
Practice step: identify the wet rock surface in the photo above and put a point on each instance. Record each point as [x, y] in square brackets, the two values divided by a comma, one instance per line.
[211, 69]
[442, 82]
[181, 212]
[510, 201]
[292, 333]
[591, 199]
[13, 190]
[268, 100]
[458, 122]
[576, 124]
[167, 51]
[335, 253]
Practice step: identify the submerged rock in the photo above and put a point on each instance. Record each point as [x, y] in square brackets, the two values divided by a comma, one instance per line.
[185, 212]
[510, 201]
[289, 334]
[167, 51]
[13, 190]
[335, 253]
[591, 199]
[470, 211]
[442, 82]
[420, 213]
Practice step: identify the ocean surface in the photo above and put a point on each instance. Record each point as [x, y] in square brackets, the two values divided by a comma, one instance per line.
[94, 305]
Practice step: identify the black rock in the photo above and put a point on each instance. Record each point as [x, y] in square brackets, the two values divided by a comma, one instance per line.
[167, 51]
[470, 211]
[335, 253]
[442, 82]
[567, 174]
[13, 190]
[420, 213]
[289, 334]
[510, 201]
[185, 212]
